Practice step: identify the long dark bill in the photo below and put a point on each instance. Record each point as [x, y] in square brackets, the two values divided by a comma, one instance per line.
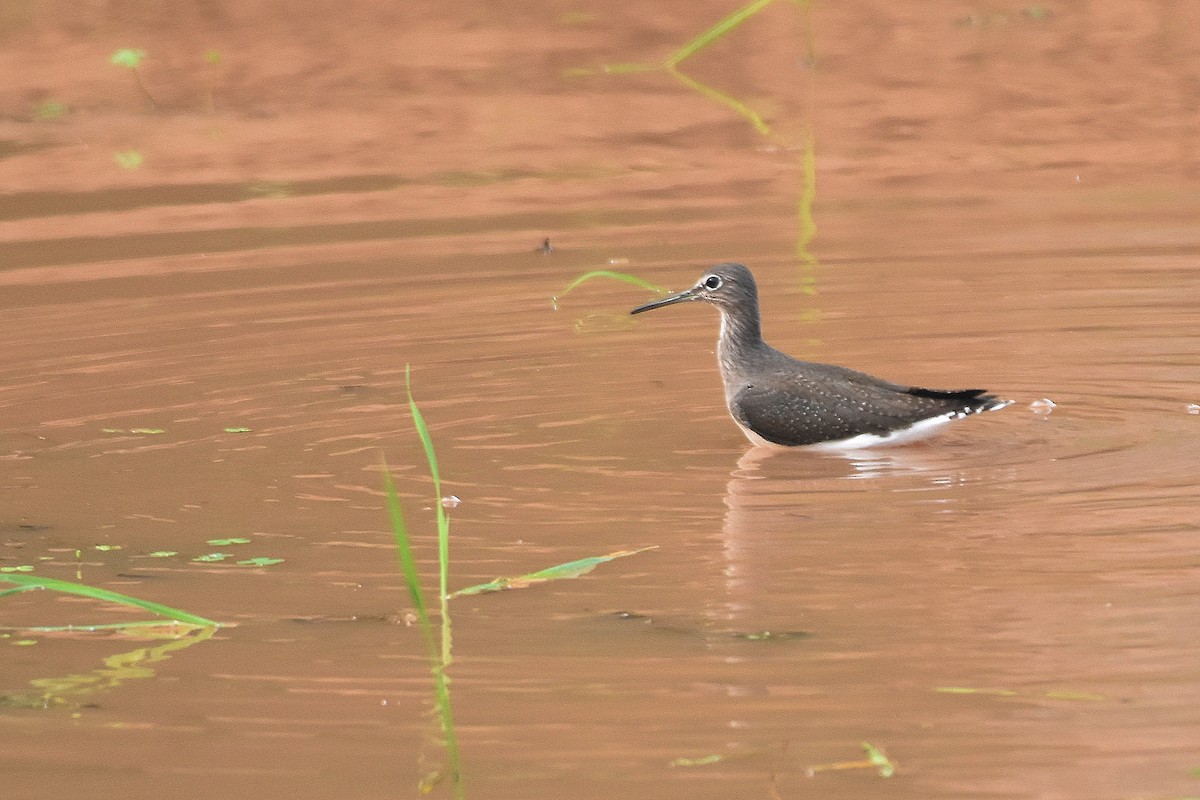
[682, 297]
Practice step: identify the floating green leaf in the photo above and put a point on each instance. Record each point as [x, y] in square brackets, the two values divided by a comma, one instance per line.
[210, 557]
[128, 57]
[973, 690]
[22, 568]
[237, 430]
[96, 593]
[104, 548]
[702, 761]
[571, 569]
[212, 57]
[162, 554]
[132, 159]
[49, 110]
[261, 561]
[227, 542]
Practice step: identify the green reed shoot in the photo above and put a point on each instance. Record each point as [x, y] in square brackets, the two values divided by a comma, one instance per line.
[443, 520]
[439, 657]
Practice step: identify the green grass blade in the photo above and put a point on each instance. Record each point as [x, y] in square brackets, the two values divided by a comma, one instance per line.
[443, 521]
[96, 593]
[608, 273]
[717, 31]
[404, 554]
[146, 628]
[571, 569]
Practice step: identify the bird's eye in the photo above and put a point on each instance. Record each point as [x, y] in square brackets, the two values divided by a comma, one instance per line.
[712, 282]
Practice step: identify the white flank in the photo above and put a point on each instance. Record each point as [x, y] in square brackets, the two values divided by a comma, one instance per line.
[913, 433]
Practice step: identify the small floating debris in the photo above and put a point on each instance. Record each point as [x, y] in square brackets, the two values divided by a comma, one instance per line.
[1043, 407]
[765, 636]
[546, 248]
[451, 501]
[876, 759]
[1193, 408]
[714, 758]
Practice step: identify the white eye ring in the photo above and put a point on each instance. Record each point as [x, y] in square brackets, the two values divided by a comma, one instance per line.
[712, 282]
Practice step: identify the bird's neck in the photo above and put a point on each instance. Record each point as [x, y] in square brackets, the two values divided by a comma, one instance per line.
[741, 336]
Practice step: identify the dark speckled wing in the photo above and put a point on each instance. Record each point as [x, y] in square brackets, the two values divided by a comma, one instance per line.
[821, 403]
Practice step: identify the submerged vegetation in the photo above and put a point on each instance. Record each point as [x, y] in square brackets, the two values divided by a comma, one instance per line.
[671, 64]
[806, 225]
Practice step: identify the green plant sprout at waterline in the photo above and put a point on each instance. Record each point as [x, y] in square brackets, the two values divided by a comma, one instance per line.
[439, 653]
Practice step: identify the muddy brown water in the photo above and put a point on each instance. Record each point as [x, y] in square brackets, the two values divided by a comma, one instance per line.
[1000, 195]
